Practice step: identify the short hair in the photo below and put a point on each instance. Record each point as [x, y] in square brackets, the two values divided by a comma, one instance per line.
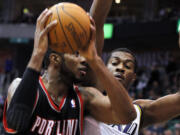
[124, 50]
[46, 60]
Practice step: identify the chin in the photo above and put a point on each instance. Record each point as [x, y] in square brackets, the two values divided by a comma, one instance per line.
[84, 82]
[78, 80]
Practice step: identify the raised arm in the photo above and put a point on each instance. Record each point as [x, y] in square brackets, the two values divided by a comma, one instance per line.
[99, 11]
[21, 99]
[119, 99]
[160, 110]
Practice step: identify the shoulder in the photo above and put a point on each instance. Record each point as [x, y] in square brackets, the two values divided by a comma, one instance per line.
[89, 91]
[90, 94]
[142, 102]
[12, 88]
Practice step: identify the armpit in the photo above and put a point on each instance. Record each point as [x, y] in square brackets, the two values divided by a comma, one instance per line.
[86, 93]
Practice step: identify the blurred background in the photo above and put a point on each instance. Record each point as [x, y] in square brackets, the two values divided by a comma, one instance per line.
[148, 27]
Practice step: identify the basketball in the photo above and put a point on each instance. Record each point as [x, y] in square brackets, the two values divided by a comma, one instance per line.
[72, 30]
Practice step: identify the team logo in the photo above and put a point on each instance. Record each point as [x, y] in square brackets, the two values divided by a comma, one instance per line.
[73, 104]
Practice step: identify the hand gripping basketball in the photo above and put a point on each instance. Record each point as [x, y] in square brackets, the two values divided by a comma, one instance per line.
[89, 51]
[72, 30]
[40, 38]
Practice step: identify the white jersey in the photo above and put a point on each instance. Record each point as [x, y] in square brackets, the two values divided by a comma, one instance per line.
[93, 127]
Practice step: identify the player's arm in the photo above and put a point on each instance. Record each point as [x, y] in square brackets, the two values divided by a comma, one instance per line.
[120, 101]
[99, 11]
[98, 106]
[12, 89]
[160, 110]
[22, 102]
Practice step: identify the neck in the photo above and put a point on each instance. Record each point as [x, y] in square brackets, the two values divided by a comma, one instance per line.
[55, 85]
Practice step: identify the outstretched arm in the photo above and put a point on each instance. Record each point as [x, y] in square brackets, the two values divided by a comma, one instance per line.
[160, 110]
[120, 101]
[99, 11]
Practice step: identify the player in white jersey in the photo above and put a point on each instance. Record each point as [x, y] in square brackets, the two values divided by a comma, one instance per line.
[122, 64]
[91, 126]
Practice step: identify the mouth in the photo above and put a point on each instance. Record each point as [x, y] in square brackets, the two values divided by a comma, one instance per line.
[83, 71]
[119, 77]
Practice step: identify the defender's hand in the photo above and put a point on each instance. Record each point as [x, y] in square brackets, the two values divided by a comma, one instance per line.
[41, 38]
[89, 52]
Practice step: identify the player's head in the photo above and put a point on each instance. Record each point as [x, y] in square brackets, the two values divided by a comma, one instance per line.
[70, 67]
[122, 63]
[76, 65]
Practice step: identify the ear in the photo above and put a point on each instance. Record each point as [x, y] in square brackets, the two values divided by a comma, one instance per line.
[55, 58]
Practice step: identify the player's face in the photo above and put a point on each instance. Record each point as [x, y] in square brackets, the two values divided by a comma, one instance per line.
[121, 64]
[77, 65]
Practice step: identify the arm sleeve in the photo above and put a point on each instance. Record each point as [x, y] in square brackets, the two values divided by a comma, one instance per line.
[22, 102]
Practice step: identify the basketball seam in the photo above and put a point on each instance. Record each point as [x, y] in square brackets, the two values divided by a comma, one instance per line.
[63, 29]
[75, 21]
[56, 36]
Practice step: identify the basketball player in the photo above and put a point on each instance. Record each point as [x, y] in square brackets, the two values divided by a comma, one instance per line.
[50, 104]
[122, 64]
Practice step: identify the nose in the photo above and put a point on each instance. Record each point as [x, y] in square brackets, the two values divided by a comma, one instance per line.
[83, 62]
[120, 68]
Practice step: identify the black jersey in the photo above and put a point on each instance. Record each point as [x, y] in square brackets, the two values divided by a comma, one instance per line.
[49, 118]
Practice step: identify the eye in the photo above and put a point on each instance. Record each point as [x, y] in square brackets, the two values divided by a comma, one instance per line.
[128, 67]
[114, 62]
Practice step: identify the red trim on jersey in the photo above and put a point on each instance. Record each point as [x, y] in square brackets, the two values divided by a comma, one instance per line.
[37, 97]
[57, 108]
[8, 130]
[81, 104]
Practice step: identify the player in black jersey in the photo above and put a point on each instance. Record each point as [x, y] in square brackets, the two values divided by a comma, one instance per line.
[51, 104]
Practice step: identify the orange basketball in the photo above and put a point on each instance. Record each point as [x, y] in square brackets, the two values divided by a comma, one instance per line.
[72, 30]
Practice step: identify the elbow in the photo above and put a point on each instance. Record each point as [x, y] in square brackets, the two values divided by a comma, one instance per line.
[18, 118]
